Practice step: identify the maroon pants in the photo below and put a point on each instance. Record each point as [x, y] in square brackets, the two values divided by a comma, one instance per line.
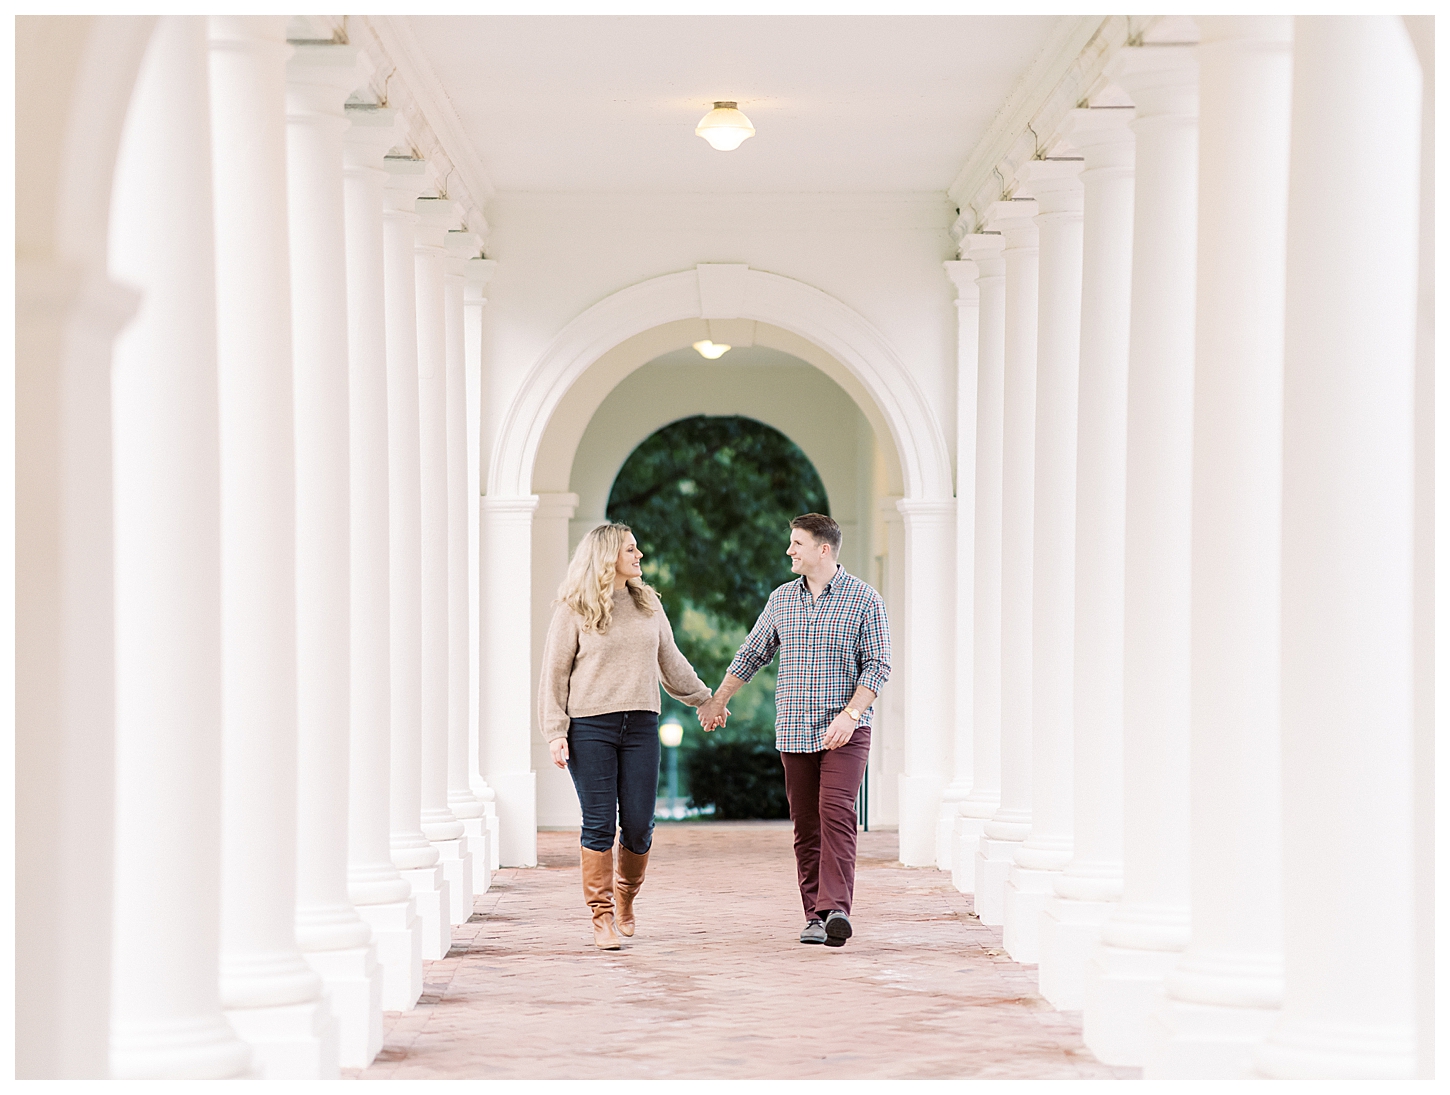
[822, 790]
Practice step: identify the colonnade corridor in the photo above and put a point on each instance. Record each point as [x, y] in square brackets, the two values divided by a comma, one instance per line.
[1112, 334]
[715, 986]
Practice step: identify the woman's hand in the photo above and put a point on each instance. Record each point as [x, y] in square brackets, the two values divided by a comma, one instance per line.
[559, 750]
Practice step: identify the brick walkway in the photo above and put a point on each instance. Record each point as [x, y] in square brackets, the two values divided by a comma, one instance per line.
[715, 986]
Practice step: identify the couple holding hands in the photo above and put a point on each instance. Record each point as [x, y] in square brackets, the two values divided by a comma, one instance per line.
[610, 647]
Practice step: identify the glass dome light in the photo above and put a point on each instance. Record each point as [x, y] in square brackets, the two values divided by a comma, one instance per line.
[671, 734]
[725, 127]
[710, 350]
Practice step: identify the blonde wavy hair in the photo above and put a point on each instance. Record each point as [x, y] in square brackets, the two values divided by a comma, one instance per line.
[588, 587]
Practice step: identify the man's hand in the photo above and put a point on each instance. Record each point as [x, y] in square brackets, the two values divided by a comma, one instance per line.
[712, 714]
[559, 750]
[840, 731]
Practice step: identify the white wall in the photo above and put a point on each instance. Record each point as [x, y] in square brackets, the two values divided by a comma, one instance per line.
[559, 254]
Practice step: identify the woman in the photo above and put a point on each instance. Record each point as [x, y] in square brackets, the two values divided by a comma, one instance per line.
[608, 650]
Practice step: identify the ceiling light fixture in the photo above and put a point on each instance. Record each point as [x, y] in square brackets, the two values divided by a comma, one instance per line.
[725, 127]
[711, 350]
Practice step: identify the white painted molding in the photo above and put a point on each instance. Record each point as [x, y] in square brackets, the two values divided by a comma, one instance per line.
[1069, 74]
[767, 298]
[722, 289]
[407, 82]
[1069, 39]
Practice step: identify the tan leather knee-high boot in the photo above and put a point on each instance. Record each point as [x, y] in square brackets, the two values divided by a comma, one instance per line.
[626, 885]
[597, 869]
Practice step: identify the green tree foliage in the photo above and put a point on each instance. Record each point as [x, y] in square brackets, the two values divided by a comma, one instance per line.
[710, 501]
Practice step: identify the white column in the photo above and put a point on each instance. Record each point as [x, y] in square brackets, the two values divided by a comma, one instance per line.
[1348, 659]
[334, 939]
[166, 1018]
[435, 217]
[1085, 892]
[1048, 847]
[1225, 991]
[1012, 821]
[415, 857]
[926, 667]
[381, 895]
[964, 277]
[463, 247]
[888, 729]
[476, 278]
[558, 803]
[272, 996]
[1146, 930]
[984, 798]
[505, 699]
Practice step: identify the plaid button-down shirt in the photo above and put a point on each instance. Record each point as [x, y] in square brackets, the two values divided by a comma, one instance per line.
[828, 645]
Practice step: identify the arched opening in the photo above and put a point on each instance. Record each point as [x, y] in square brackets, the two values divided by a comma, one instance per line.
[709, 499]
[771, 376]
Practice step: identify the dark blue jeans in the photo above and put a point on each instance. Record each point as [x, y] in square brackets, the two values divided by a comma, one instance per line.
[615, 762]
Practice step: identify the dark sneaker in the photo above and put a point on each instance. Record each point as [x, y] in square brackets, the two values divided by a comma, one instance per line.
[838, 929]
[814, 932]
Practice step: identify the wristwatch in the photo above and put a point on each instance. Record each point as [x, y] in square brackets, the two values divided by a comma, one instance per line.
[855, 715]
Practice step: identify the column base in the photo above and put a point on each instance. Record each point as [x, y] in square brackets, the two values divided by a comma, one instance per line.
[1024, 900]
[353, 982]
[457, 867]
[203, 1048]
[518, 832]
[1193, 1041]
[430, 898]
[994, 863]
[399, 943]
[1070, 931]
[476, 835]
[1121, 990]
[966, 836]
[289, 1041]
[919, 805]
[491, 819]
[1313, 1051]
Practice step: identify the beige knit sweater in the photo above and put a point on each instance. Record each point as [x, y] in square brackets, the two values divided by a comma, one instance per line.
[587, 673]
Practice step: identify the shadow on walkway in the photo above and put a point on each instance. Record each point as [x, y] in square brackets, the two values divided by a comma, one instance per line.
[714, 984]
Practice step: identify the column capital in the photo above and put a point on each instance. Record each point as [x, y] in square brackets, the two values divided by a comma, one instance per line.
[506, 506]
[557, 505]
[963, 273]
[1016, 220]
[321, 76]
[463, 246]
[1161, 80]
[372, 132]
[1054, 184]
[436, 218]
[1104, 136]
[922, 512]
[985, 249]
[479, 273]
[407, 179]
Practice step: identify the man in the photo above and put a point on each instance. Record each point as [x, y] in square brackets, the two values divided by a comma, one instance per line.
[835, 654]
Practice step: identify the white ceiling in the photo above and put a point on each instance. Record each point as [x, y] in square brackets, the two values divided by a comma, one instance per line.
[840, 103]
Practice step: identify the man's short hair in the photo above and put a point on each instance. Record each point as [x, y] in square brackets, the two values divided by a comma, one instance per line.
[825, 530]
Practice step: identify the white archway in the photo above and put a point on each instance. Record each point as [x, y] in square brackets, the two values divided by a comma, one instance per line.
[592, 353]
[725, 292]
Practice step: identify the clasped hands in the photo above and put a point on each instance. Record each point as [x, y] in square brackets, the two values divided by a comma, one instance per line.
[712, 714]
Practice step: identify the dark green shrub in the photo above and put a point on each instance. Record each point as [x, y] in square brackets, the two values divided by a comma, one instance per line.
[741, 779]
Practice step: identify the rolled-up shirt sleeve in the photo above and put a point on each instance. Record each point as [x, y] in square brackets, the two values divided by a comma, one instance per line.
[760, 647]
[873, 650]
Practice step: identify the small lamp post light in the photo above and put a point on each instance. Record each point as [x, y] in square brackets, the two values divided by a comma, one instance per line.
[671, 734]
